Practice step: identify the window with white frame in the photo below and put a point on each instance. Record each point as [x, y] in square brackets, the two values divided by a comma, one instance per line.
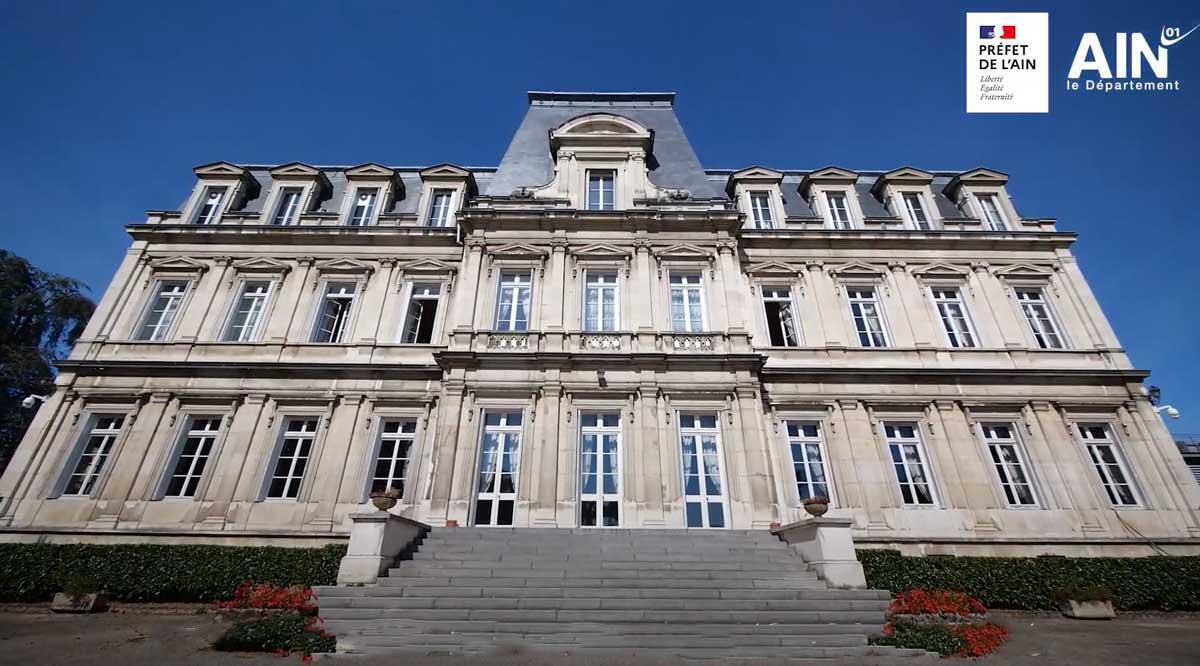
[914, 207]
[601, 301]
[781, 318]
[600, 470]
[703, 481]
[867, 315]
[209, 210]
[288, 207]
[601, 189]
[249, 311]
[953, 313]
[908, 460]
[295, 447]
[512, 302]
[93, 452]
[838, 209]
[760, 210]
[1110, 465]
[500, 457]
[687, 302]
[1040, 318]
[363, 207]
[808, 459]
[1008, 459]
[162, 310]
[440, 208]
[993, 217]
[393, 454]
[195, 447]
[422, 313]
[333, 318]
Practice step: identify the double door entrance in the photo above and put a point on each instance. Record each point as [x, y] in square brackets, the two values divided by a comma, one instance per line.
[600, 470]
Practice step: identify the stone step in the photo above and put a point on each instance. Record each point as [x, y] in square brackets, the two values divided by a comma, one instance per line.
[681, 554]
[328, 592]
[708, 616]
[488, 581]
[557, 570]
[378, 625]
[721, 655]
[560, 603]
[710, 538]
[634, 641]
[760, 568]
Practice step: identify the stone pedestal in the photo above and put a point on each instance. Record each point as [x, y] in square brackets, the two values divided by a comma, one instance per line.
[825, 544]
[376, 539]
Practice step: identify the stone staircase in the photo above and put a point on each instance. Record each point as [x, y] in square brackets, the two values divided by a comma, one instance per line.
[663, 593]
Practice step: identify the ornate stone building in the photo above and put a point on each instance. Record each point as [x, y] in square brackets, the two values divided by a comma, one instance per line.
[601, 332]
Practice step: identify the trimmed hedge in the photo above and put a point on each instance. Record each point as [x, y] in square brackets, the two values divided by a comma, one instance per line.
[284, 632]
[1030, 583]
[154, 572]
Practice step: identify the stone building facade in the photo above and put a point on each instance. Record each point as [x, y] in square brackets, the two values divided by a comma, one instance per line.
[600, 332]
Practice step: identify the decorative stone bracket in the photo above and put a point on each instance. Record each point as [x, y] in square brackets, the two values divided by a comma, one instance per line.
[825, 544]
[376, 540]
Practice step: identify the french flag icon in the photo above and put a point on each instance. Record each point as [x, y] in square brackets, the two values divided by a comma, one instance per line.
[997, 32]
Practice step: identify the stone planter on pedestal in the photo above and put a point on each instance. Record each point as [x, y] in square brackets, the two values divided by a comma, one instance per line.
[383, 503]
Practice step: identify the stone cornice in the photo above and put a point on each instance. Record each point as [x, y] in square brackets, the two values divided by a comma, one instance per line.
[268, 234]
[901, 239]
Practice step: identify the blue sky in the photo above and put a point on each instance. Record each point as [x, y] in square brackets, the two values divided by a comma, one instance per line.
[109, 106]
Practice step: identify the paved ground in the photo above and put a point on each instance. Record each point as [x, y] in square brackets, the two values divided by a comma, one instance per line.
[136, 639]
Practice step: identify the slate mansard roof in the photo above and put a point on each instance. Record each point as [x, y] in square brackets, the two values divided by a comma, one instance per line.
[528, 161]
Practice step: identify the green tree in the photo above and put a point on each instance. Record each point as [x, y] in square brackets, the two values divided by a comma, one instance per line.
[41, 315]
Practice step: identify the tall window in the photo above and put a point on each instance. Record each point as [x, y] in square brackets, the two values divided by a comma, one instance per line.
[512, 305]
[210, 205]
[396, 437]
[687, 302]
[601, 300]
[601, 189]
[760, 210]
[600, 470]
[703, 483]
[1041, 321]
[247, 317]
[839, 210]
[808, 459]
[953, 313]
[1110, 465]
[333, 319]
[439, 208]
[289, 206]
[990, 205]
[422, 313]
[162, 310]
[295, 447]
[914, 205]
[93, 452]
[364, 206]
[1007, 457]
[908, 459]
[194, 449]
[868, 320]
[781, 320]
[496, 498]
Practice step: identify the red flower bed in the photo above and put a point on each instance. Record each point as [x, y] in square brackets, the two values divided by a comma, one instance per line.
[266, 595]
[935, 602]
[981, 639]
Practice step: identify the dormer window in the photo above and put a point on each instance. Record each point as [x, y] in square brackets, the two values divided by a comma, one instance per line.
[601, 189]
[288, 207]
[440, 208]
[364, 206]
[914, 208]
[760, 210]
[210, 206]
[838, 210]
[989, 205]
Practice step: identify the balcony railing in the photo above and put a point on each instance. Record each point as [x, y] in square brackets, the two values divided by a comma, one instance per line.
[586, 342]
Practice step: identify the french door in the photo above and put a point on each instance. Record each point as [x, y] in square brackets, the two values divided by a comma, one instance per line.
[703, 482]
[496, 497]
[600, 470]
